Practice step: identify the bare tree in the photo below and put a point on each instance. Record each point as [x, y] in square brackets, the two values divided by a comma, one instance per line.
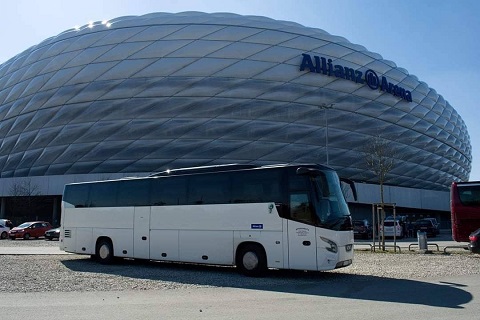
[380, 158]
[24, 195]
[24, 188]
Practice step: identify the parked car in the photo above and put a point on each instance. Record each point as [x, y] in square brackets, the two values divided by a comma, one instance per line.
[6, 223]
[400, 218]
[4, 231]
[403, 221]
[391, 228]
[27, 230]
[52, 234]
[427, 226]
[474, 245]
[362, 229]
[435, 224]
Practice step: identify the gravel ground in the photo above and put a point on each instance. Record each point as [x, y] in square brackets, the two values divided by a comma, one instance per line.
[63, 273]
[28, 243]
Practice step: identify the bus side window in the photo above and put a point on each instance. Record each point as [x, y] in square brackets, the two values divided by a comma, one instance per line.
[77, 195]
[256, 186]
[300, 207]
[253, 192]
[104, 194]
[244, 188]
[209, 189]
[169, 191]
[134, 193]
[469, 196]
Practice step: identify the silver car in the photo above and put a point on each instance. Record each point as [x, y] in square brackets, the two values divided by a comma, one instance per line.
[3, 231]
[391, 228]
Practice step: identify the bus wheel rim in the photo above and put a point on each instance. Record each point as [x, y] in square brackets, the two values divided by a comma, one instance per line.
[104, 252]
[250, 260]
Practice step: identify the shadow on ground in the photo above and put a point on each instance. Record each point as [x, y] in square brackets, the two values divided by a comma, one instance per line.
[327, 284]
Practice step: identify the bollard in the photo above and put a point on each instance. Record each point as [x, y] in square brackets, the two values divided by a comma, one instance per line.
[422, 240]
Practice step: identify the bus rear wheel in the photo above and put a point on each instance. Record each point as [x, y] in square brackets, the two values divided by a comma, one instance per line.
[252, 260]
[104, 251]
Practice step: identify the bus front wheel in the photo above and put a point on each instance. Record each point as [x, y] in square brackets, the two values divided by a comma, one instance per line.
[252, 260]
[104, 251]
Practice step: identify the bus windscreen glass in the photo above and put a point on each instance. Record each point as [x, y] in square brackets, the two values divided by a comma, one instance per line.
[332, 211]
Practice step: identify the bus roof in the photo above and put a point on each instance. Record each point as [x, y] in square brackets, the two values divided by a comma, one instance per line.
[466, 183]
[231, 167]
[204, 169]
[212, 169]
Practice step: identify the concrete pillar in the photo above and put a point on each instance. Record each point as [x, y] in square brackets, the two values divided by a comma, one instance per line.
[3, 205]
[55, 214]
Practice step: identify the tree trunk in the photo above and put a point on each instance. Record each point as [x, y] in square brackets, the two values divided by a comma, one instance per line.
[382, 215]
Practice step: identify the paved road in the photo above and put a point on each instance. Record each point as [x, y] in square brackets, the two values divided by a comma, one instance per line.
[447, 298]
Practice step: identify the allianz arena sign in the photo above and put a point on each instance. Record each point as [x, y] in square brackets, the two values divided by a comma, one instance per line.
[325, 66]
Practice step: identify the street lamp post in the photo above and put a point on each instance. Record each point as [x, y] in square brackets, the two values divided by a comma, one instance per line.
[325, 107]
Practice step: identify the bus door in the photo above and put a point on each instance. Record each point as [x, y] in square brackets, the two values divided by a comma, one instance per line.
[141, 233]
[302, 248]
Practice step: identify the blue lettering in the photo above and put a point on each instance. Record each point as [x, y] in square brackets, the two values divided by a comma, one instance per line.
[408, 96]
[349, 74]
[359, 78]
[398, 91]
[391, 88]
[317, 64]
[326, 67]
[330, 67]
[384, 84]
[307, 63]
[339, 71]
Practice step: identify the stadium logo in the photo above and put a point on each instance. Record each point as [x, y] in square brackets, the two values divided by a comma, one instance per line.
[326, 67]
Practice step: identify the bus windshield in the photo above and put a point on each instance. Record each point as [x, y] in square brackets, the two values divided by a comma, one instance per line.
[331, 208]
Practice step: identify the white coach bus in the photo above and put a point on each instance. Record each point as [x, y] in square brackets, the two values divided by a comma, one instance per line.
[254, 218]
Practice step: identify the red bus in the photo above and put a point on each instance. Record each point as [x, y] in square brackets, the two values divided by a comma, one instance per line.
[465, 209]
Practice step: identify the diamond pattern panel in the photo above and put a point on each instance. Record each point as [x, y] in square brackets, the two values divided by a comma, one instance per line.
[168, 90]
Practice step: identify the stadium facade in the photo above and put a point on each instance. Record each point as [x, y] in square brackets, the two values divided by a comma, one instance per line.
[140, 94]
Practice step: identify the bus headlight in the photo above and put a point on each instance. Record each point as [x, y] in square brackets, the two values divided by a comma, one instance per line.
[333, 246]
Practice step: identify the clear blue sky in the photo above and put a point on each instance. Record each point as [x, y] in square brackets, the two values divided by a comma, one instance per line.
[438, 41]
